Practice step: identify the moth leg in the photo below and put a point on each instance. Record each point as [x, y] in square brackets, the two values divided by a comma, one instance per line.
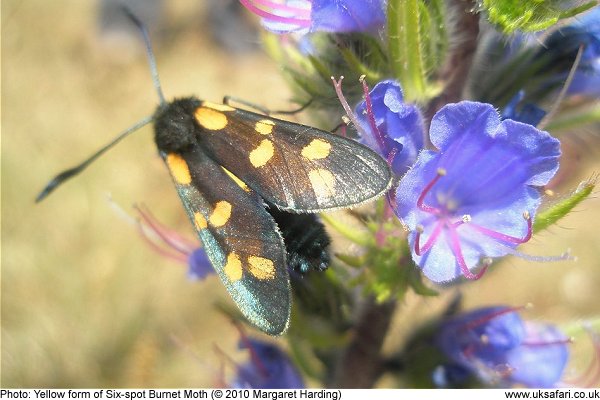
[229, 99]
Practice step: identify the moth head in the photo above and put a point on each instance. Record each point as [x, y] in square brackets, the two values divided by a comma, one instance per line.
[175, 126]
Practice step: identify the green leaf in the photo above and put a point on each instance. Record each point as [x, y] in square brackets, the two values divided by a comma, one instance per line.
[529, 16]
[551, 215]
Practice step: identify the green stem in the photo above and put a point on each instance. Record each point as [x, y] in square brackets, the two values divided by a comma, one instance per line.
[361, 363]
[357, 236]
[405, 47]
[564, 122]
[456, 69]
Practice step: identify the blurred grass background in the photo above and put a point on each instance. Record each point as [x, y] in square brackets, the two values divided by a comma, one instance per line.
[85, 302]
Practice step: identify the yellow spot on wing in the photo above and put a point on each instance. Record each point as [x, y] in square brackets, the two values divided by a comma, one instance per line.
[237, 180]
[264, 126]
[261, 268]
[323, 182]
[262, 154]
[233, 267]
[220, 214]
[316, 149]
[200, 221]
[217, 106]
[210, 119]
[179, 169]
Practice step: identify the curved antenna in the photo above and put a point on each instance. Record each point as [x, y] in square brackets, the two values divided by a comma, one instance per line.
[149, 52]
[71, 172]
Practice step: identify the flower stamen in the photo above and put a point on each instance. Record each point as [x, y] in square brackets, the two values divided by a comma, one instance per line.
[371, 116]
[454, 243]
[430, 242]
[301, 16]
[507, 238]
[488, 317]
[304, 12]
[550, 342]
[423, 207]
[337, 85]
[256, 360]
[168, 236]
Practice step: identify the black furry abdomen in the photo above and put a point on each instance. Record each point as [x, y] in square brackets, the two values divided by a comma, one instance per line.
[305, 238]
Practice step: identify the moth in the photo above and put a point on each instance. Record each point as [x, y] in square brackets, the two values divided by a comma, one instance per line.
[230, 166]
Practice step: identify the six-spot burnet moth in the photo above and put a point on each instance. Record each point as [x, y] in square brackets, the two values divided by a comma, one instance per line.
[238, 172]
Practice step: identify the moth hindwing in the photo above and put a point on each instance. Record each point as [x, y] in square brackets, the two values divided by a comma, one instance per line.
[226, 161]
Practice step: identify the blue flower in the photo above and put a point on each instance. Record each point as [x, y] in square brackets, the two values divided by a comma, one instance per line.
[268, 368]
[559, 51]
[527, 113]
[398, 132]
[199, 266]
[585, 32]
[319, 15]
[476, 197]
[497, 346]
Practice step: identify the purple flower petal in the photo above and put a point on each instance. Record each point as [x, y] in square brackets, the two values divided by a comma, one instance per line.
[477, 208]
[319, 15]
[496, 345]
[348, 15]
[199, 265]
[527, 113]
[537, 363]
[269, 368]
[399, 125]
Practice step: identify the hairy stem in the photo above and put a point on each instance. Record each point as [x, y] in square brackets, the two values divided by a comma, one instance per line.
[456, 69]
[361, 363]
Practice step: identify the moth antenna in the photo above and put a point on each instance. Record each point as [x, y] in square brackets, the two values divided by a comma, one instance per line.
[71, 172]
[149, 52]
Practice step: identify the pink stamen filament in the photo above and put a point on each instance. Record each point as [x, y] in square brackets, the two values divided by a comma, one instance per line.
[506, 238]
[304, 12]
[371, 117]
[492, 315]
[337, 85]
[302, 21]
[548, 343]
[453, 237]
[253, 355]
[431, 241]
[457, 251]
[167, 235]
[421, 199]
[163, 252]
